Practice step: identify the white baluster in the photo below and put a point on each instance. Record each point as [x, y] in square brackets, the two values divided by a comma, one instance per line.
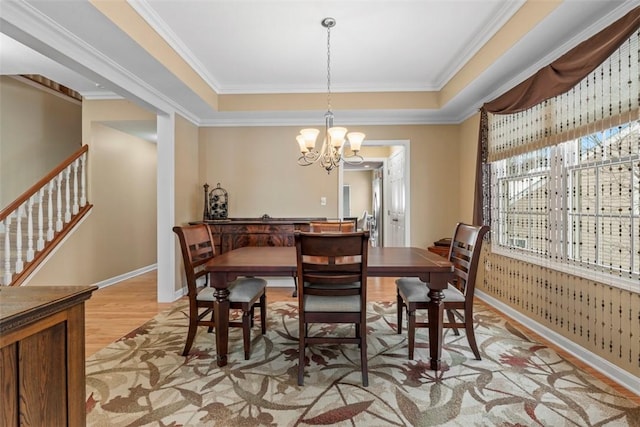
[83, 179]
[40, 242]
[6, 278]
[59, 202]
[30, 251]
[75, 208]
[67, 198]
[50, 212]
[19, 263]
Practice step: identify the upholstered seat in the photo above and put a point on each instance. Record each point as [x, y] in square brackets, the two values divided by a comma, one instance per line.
[413, 290]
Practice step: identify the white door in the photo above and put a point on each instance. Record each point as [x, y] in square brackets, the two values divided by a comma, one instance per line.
[395, 219]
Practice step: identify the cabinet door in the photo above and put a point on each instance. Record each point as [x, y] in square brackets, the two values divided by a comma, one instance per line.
[43, 378]
[9, 383]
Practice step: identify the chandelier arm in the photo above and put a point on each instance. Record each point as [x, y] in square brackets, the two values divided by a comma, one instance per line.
[354, 159]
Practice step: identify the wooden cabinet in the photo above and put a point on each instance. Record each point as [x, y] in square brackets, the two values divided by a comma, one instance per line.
[236, 233]
[42, 370]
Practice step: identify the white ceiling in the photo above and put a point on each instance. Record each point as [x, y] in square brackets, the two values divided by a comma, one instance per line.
[267, 46]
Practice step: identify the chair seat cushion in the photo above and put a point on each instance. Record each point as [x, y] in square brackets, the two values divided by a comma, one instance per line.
[243, 289]
[414, 290]
[345, 303]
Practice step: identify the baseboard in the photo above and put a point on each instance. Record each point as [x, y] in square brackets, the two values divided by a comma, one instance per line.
[606, 368]
[125, 276]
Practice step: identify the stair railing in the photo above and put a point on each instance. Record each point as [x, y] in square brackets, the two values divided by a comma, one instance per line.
[41, 217]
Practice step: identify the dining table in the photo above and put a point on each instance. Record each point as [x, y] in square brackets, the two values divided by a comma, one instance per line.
[267, 261]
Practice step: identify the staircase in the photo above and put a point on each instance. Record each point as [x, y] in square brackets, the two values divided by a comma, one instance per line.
[37, 221]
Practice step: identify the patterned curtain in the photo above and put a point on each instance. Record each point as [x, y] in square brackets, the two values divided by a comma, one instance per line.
[565, 174]
[546, 121]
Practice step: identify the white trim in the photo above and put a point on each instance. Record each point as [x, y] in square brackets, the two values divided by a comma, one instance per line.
[122, 277]
[608, 369]
[166, 251]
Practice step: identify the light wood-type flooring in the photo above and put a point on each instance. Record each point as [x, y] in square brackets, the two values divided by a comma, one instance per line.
[116, 310]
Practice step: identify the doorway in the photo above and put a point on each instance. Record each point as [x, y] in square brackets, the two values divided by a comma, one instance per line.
[386, 195]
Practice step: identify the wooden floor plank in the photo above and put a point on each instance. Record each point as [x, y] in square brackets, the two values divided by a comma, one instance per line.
[116, 310]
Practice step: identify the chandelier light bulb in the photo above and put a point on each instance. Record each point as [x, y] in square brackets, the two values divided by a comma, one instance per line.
[336, 135]
[355, 140]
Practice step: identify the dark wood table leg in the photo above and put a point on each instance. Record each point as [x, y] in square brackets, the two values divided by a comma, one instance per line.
[221, 317]
[437, 282]
[436, 311]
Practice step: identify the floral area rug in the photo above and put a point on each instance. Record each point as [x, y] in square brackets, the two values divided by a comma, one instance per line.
[142, 379]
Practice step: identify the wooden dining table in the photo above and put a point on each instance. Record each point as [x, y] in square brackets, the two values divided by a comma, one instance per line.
[267, 261]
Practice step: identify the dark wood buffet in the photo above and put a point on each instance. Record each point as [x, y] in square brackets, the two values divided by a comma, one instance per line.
[233, 233]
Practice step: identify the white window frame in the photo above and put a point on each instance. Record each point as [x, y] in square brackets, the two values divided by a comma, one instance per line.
[558, 219]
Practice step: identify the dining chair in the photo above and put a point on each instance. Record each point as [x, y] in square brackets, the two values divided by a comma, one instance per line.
[332, 226]
[412, 293]
[245, 293]
[332, 273]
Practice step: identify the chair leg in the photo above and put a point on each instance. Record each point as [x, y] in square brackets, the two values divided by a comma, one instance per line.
[363, 360]
[191, 334]
[210, 329]
[301, 348]
[246, 332]
[263, 313]
[295, 287]
[411, 331]
[452, 319]
[400, 305]
[471, 336]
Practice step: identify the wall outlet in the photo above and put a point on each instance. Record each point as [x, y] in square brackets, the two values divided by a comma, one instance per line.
[323, 201]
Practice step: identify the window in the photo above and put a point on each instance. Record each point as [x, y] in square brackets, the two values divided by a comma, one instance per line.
[564, 178]
[576, 203]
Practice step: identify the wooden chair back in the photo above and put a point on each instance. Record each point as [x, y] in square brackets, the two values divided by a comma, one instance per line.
[333, 226]
[332, 258]
[197, 248]
[464, 253]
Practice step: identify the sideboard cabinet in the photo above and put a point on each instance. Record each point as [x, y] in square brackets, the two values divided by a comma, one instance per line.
[233, 233]
[42, 366]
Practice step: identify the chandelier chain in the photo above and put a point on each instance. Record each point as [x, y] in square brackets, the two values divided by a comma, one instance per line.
[329, 68]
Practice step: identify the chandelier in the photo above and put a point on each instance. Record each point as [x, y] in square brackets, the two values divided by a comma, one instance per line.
[332, 151]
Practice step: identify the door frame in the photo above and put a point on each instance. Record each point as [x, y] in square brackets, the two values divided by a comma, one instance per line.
[406, 144]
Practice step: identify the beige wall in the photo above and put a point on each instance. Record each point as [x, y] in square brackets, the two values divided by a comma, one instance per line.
[257, 166]
[360, 183]
[119, 236]
[467, 166]
[38, 130]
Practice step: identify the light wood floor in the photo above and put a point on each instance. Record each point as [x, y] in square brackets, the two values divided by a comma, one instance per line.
[114, 311]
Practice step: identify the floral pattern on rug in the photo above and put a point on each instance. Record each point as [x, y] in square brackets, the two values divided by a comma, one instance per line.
[143, 380]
